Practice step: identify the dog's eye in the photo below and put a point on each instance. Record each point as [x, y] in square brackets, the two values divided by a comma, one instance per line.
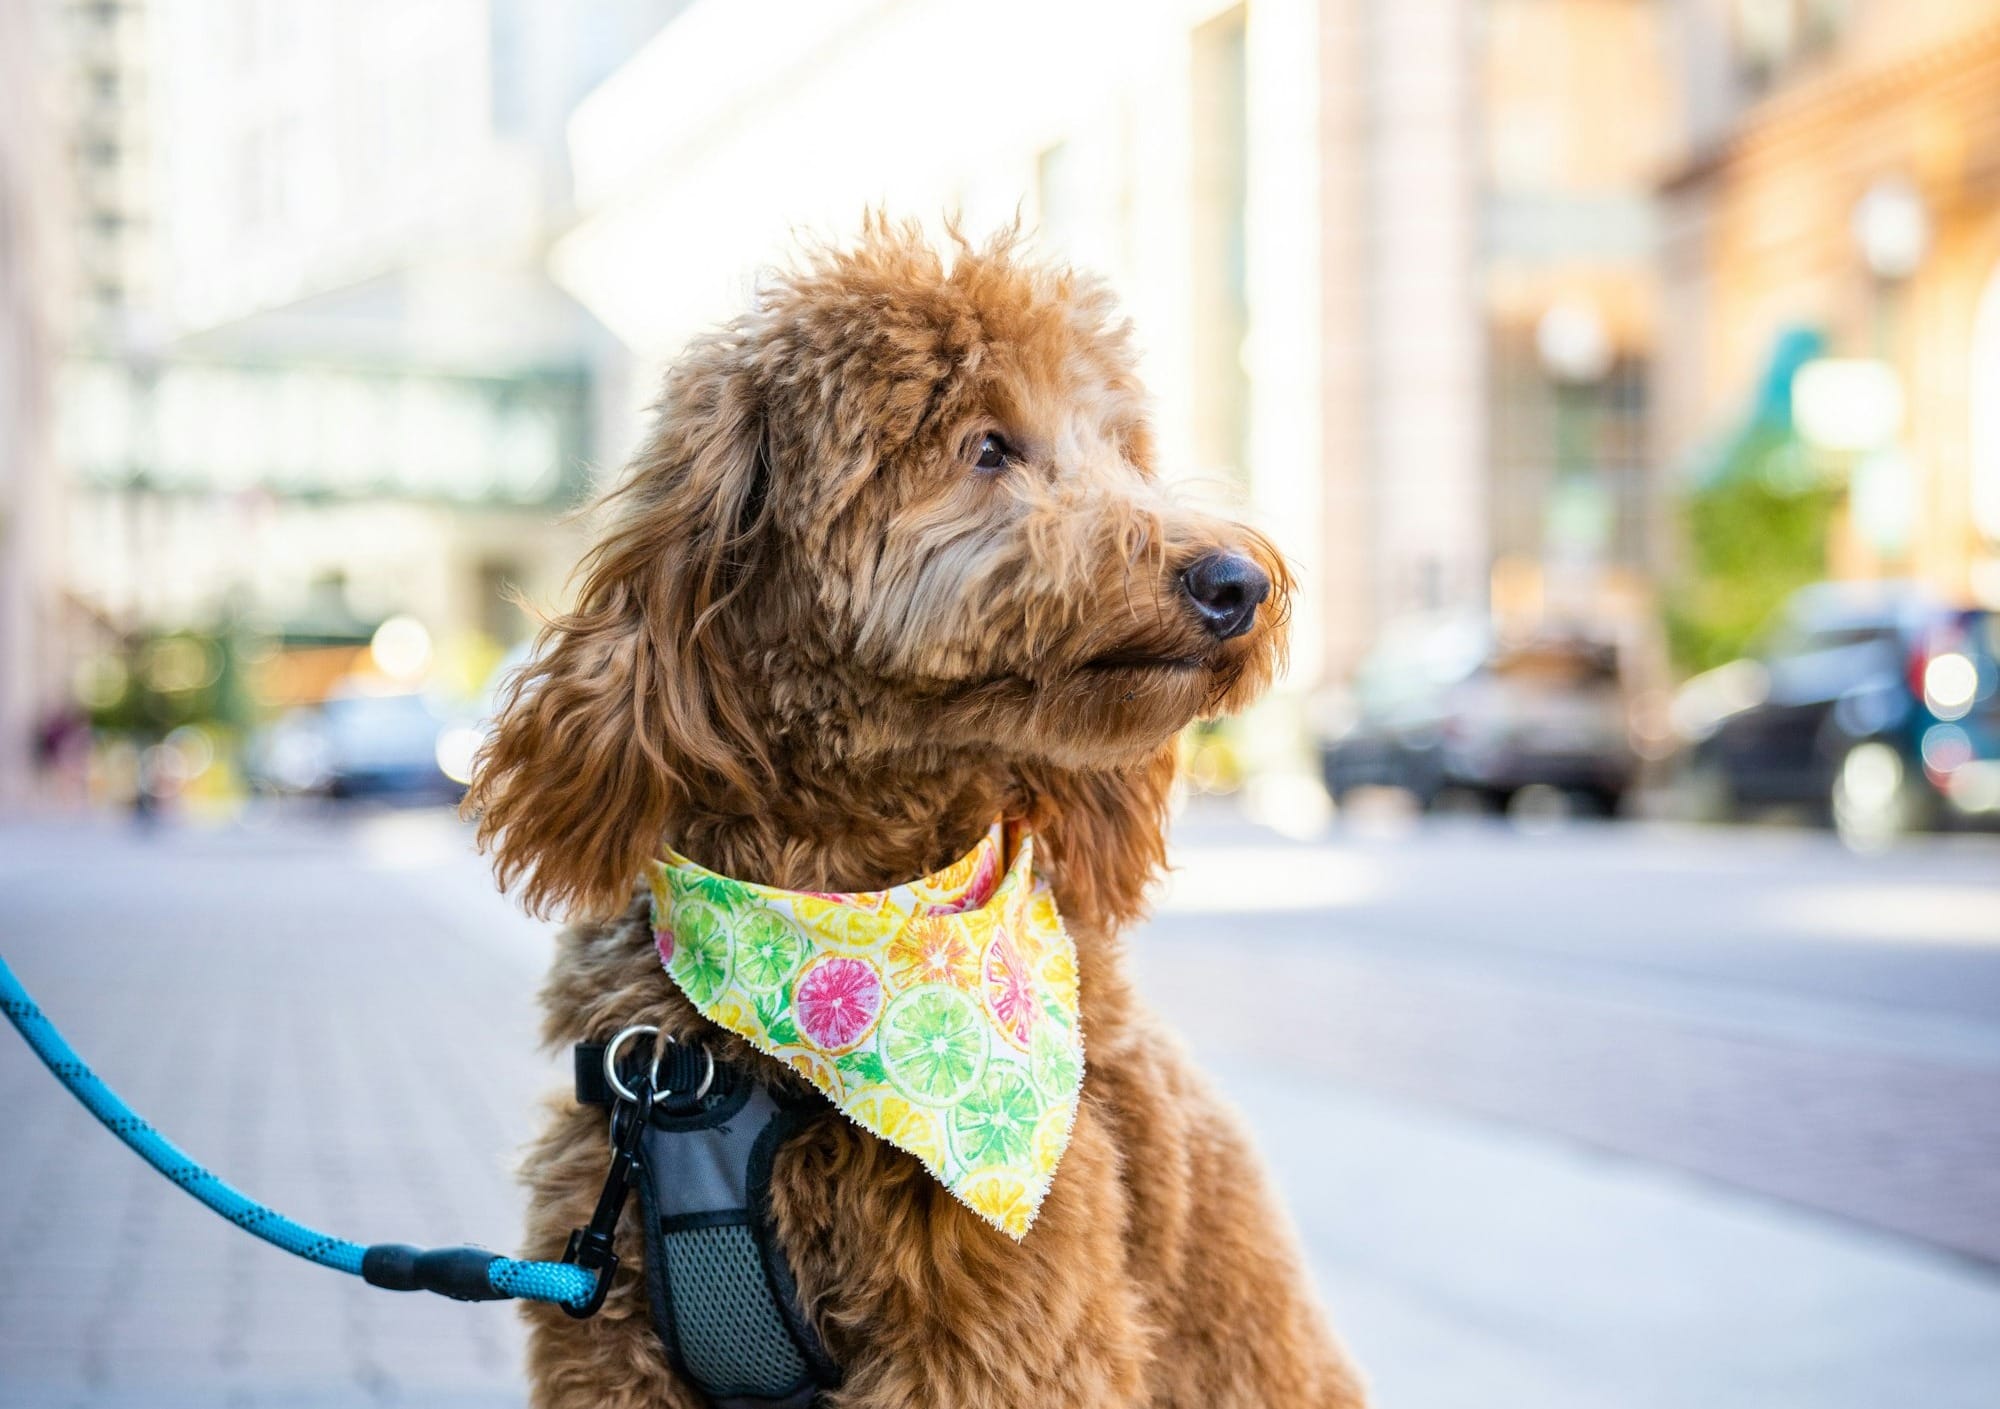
[994, 453]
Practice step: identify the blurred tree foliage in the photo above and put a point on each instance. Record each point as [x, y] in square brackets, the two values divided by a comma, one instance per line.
[162, 680]
[1754, 521]
[1755, 530]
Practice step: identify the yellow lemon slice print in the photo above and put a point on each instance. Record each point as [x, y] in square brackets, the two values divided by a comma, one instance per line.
[906, 1126]
[1001, 1196]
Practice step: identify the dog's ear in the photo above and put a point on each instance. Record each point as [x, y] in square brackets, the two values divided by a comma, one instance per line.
[1105, 835]
[629, 704]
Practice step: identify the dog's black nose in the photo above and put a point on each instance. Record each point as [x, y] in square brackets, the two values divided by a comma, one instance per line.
[1226, 588]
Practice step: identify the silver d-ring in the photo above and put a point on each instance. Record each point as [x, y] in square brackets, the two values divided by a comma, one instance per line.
[611, 1058]
[707, 1076]
[661, 1041]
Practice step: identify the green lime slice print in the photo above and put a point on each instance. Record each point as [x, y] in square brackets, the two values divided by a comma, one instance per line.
[996, 1123]
[687, 885]
[768, 950]
[701, 950]
[933, 1043]
[1055, 1062]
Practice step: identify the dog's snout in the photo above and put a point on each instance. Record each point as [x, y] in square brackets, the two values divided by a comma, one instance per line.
[1226, 589]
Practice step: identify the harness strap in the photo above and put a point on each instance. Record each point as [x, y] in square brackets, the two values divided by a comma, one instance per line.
[683, 1068]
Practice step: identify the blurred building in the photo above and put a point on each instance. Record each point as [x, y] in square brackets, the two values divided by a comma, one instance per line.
[105, 92]
[1842, 192]
[1338, 224]
[325, 376]
[32, 661]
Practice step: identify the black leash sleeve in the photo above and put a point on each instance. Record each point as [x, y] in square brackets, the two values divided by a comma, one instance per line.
[459, 1273]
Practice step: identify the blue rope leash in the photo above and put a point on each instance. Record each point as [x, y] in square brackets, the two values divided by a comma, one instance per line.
[467, 1274]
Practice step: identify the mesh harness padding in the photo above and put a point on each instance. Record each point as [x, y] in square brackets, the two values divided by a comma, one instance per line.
[724, 1303]
[728, 1330]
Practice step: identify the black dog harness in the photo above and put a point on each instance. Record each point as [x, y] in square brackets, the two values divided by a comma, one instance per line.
[724, 1302]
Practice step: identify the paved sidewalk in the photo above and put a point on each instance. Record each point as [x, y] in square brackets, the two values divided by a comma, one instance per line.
[338, 1017]
[340, 1023]
[1469, 1265]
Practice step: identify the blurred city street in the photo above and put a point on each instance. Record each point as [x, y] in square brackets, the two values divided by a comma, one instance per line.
[1606, 1116]
[1619, 381]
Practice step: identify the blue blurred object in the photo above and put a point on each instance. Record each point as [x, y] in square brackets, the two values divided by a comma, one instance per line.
[358, 744]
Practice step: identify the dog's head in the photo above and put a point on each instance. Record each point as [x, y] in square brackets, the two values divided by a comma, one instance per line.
[903, 512]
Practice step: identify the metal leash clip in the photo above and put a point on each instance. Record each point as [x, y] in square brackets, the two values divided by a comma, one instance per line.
[590, 1247]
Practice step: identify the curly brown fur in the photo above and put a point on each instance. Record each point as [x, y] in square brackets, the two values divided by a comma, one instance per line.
[818, 648]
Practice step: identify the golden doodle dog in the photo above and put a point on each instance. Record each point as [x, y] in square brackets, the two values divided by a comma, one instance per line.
[894, 563]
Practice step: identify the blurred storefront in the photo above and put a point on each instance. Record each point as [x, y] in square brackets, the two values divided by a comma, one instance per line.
[1842, 195]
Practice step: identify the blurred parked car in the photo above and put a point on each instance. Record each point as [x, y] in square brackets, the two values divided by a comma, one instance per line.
[1875, 706]
[1440, 707]
[360, 744]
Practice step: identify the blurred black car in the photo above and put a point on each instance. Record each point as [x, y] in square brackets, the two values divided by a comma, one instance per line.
[1441, 708]
[1875, 706]
[361, 744]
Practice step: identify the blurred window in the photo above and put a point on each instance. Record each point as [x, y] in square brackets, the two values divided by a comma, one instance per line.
[1796, 639]
[1603, 426]
[1770, 36]
[310, 432]
[1416, 660]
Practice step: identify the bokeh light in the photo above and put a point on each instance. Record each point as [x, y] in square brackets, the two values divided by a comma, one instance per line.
[401, 649]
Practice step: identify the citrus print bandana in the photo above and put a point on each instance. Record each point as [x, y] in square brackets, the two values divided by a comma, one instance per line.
[941, 1015]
